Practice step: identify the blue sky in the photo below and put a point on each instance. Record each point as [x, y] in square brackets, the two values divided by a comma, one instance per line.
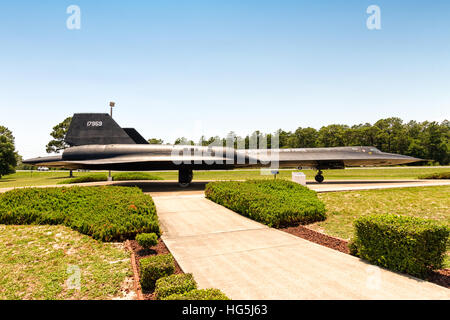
[182, 68]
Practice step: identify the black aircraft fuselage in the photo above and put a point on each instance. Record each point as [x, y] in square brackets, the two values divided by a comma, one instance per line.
[97, 142]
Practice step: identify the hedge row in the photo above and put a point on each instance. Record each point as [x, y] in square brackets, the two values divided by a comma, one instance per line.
[156, 272]
[95, 177]
[122, 176]
[153, 268]
[438, 175]
[147, 240]
[106, 213]
[277, 203]
[174, 284]
[400, 243]
[119, 176]
[203, 294]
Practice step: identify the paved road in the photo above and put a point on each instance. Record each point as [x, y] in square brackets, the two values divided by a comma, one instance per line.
[248, 260]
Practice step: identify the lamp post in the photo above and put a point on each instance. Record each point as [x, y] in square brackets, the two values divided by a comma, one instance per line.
[112, 104]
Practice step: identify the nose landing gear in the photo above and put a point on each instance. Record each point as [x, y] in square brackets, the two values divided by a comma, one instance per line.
[185, 177]
[319, 177]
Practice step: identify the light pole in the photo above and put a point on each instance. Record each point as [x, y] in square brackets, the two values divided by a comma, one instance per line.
[112, 105]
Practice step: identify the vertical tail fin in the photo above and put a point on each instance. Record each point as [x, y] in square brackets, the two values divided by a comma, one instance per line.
[95, 128]
[136, 136]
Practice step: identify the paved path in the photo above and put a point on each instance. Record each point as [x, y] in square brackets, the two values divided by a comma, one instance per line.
[342, 185]
[248, 260]
[166, 187]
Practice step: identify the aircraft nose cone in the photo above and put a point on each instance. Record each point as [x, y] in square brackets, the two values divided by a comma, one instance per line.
[411, 158]
[33, 161]
[401, 159]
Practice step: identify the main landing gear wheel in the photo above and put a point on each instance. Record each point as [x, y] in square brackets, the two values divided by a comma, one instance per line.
[185, 177]
[319, 177]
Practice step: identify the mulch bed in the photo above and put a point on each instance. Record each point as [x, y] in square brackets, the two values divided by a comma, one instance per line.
[319, 238]
[440, 277]
[140, 253]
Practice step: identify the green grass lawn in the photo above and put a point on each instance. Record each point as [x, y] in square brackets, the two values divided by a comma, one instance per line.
[35, 178]
[344, 207]
[35, 260]
[27, 178]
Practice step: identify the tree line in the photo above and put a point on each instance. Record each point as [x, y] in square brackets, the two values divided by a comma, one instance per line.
[428, 140]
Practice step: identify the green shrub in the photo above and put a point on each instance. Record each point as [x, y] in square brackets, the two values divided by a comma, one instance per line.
[438, 175]
[106, 213]
[400, 243]
[174, 284]
[203, 294]
[86, 178]
[353, 249]
[155, 267]
[277, 203]
[147, 240]
[122, 176]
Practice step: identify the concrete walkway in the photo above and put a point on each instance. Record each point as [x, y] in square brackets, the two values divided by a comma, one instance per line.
[350, 185]
[168, 187]
[165, 187]
[248, 260]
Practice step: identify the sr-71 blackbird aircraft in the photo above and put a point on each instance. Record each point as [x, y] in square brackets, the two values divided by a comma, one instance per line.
[97, 142]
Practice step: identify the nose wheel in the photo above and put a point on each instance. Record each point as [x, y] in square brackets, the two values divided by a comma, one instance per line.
[185, 177]
[319, 177]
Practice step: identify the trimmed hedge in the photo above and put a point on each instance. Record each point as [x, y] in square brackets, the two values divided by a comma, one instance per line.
[174, 284]
[276, 203]
[105, 213]
[203, 294]
[438, 175]
[153, 268]
[86, 178]
[134, 176]
[147, 240]
[120, 176]
[400, 243]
